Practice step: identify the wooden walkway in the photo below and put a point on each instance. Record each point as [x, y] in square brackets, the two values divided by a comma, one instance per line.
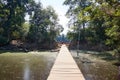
[65, 67]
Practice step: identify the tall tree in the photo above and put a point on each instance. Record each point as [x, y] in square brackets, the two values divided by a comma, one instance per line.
[12, 13]
[44, 25]
[102, 20]
[76, 7]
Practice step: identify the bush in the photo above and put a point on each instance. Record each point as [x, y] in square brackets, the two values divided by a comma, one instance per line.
[3, 40]
[117, 53]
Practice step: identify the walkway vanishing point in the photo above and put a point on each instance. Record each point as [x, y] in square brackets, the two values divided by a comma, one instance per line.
[65, 68]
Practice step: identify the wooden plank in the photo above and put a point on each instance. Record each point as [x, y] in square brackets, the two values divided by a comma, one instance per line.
[65, 68]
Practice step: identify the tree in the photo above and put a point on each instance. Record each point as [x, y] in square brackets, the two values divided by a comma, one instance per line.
[101, 18]
[76, 8]
[44, 25]
[12, 13]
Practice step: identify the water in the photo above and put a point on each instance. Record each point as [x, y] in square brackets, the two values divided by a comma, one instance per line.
[94, 68]
[37, 65]
[26, 66]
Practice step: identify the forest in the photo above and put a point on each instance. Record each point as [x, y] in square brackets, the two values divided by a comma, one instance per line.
[40, 27]
[94, 25]
[31, 37]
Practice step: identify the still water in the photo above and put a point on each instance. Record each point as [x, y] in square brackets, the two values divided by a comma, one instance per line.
[94, 68]
[37, 65]
[26, 66]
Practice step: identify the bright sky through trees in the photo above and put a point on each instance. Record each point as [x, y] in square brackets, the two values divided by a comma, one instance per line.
[60, 10]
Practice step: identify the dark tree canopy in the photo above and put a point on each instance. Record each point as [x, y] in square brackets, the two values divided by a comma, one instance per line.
[41, 27]
[95, 21]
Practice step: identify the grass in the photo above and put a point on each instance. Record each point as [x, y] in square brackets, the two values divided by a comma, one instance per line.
[106, 55]
[10, 51]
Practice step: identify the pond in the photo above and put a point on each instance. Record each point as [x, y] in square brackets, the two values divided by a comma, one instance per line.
[94, 68]
[26, 66]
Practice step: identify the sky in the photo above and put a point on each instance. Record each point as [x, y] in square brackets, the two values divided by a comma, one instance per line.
[60, 10]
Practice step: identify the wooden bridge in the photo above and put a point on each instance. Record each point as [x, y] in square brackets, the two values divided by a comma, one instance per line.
[65, 68]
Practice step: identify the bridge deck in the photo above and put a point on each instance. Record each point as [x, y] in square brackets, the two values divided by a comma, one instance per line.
[65, 67]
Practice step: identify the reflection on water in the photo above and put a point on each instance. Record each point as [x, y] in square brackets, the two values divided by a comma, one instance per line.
[26, 72]
[28, 66]
[96, 69]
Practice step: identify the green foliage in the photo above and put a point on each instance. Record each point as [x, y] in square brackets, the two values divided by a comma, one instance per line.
[42, 27]
[3, 40]
[101, 19]
[12, 13]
